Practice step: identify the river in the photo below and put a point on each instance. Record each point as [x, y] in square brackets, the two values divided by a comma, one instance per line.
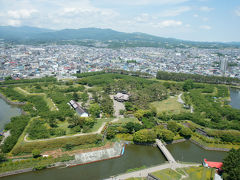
[6, 112]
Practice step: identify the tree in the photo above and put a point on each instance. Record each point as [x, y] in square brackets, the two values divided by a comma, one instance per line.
[75, 96]
[231, 165]
[173, 126]
[2, 157]
[133, 127]
[95, 110]
[164, 134]
[8, 78]
[144, 136]
[36, 153]
[111, 132]
[185, 132]
[188, 84]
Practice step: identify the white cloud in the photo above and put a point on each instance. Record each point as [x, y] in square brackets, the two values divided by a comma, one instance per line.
[205, 9]
[175, 12]
[22, 13]
[168, 23]
[143, 2]
[196, 15]
[13, 22]
[206, 27]
[237, 11]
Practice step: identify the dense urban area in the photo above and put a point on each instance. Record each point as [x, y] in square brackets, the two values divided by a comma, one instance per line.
[28, 61]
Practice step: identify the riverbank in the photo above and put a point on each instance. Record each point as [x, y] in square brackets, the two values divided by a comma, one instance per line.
[11, 102]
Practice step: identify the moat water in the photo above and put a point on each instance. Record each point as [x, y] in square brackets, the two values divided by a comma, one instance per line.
[135, 156]
[6, 112]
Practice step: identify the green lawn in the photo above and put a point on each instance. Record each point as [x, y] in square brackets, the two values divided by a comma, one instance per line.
[190, 173]
[99, 124]
[169, 105]
[126, 120]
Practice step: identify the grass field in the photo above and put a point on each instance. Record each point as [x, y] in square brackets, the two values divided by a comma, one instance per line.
[196, 173]
[126, 120]
[99, 124]
[169, 105]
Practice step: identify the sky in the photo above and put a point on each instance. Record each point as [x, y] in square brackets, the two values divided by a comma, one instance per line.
[196, 20]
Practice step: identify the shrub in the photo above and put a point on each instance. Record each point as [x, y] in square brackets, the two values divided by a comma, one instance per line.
[144, 136]
[36, 153]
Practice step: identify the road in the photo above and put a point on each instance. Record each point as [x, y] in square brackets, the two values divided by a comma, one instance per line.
[145, 172]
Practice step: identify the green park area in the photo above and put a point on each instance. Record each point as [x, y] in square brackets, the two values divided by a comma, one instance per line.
[196, 173]
[152, 111]
[170, 105]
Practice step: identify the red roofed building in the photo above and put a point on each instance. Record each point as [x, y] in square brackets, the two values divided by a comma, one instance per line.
[217, 165]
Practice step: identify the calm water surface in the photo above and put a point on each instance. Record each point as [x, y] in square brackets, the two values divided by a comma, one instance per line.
[235, 98]
[6, 112]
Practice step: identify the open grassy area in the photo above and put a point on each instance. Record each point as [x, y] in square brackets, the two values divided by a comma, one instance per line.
[169, 105]
[190, 173]
[214, 145]
[99, 124]
[126, 120]
[136, 178]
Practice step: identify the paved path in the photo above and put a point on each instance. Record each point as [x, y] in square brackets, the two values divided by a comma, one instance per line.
[5, 135]
[117, 107]
[80, 134]
[180, 98]
[165, 151]
[145, 172]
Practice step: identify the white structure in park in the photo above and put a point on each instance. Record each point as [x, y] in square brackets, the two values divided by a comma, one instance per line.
[121, 97]
[78, 109]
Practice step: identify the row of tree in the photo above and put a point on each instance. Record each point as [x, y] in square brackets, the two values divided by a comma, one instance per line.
[163, 75]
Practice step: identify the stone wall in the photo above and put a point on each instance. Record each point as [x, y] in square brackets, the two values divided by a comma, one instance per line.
[98, 155]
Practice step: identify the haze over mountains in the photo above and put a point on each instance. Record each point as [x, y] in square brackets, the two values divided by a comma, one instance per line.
[86, 36]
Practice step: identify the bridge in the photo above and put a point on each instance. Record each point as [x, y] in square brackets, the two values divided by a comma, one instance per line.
[165, 151]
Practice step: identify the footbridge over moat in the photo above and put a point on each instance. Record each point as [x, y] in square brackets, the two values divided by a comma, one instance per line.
[165, 151]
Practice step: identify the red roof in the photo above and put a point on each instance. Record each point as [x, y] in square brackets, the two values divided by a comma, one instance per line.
[213, 164]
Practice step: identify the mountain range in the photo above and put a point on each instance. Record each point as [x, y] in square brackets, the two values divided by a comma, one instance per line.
[89, 37]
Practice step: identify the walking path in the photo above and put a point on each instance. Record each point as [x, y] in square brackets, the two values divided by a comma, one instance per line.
[81, 134]
[5, 135]
[165, 151]
[117, 107]
[180, 98]
[145, 172]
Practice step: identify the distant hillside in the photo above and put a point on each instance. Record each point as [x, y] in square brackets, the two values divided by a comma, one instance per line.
[89, 37]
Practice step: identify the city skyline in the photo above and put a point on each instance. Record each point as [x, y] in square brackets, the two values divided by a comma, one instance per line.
[199, 20]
